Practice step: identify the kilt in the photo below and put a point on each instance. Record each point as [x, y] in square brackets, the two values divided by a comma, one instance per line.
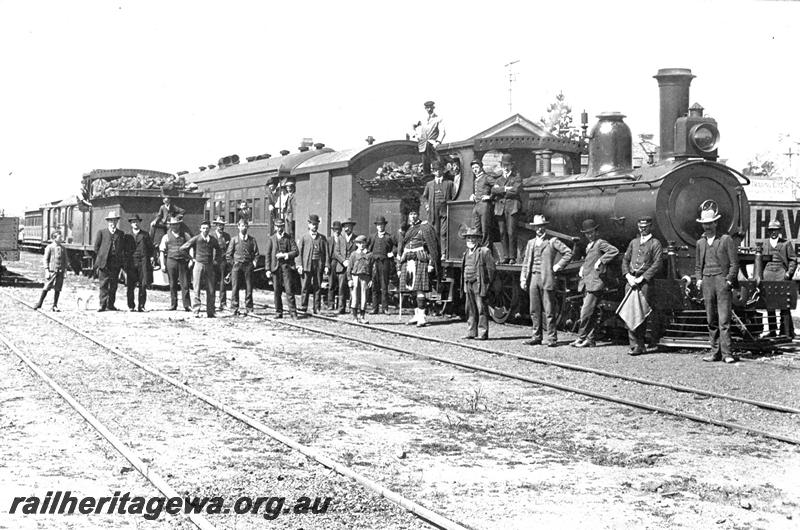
[415, 272]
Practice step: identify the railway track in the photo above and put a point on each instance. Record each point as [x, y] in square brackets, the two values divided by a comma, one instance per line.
[428, 516]
[775, 408]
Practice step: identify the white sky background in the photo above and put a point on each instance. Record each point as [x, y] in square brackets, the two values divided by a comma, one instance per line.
[175, 85]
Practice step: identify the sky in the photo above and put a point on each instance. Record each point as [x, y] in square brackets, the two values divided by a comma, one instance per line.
[173, 85]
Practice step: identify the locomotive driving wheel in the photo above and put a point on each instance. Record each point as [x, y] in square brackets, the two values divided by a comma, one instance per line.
[504, 296]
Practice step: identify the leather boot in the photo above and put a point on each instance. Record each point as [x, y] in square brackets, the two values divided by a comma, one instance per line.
[56, 294]
[364, 317]
[356, 316]
[41, 300]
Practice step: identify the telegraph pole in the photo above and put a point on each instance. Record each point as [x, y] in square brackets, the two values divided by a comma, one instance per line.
[512, 76]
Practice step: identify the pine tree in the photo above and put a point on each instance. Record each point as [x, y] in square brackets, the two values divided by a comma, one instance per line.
[558, 119]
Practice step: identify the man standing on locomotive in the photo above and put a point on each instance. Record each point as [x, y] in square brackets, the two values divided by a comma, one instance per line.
[780, 267]
[419, 257]
[382, 247]
[716, 269]
[242, 256]
[176, 262]
[140, 266]
[110, 257]
[429, 135]
[640, 264]
[281, 253]
[544, 256]
[482, 212]
[221, 268]
[507, 206]
[478, 272]
[599, 254]
[312, 264]
[436, 194]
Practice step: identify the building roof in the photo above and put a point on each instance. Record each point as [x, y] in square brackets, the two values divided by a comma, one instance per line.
[279, 165]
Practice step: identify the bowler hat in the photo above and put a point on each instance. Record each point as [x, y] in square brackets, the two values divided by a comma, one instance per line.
[774, 225]
[380, 220]
[361, 239]
[645, 220]
[280, 222]
[336, 224]
[313, 219]
[174, 221]
[476, 162]
[348, 221]
[135, 217]
[218, 220]
[473, 232]
[112, 215]
[539, 220]
[429, 103]
[588, 225]
[507, 159]
[708, 212]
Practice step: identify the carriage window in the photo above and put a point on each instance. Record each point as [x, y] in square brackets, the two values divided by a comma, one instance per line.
[232, 206]
[258, 216]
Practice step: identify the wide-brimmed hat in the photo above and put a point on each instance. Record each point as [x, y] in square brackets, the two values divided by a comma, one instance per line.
[218, 220]
[348, 221]
[774, 225]
[645, 220]
[174, 221]
[380, 220]
[313, 219]
[112, 215]
[589, 225]
[279, 222]
[473, 232]
[135, 217]
[361, 239]
[708, 212]
[539, 220]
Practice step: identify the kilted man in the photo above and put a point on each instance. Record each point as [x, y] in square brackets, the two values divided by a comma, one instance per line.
[221, 266]
[716, 269]
[640, 264]
[335, 266]
[55, 266]
[599, 254]
[544, 256]
[419, 258]
[242, 255]
[312, 263]
[204, 252]
[176, 262]
[110, 256]
[341, 249]
[781, 264]
[429, 134]
[507, 206]
[359, 276]
[281, 253]
[383, 247]
[139, 272]
[483, 211]
[477, 265]
[436, 194]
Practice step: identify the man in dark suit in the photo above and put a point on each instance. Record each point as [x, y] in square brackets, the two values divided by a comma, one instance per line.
[383, 247]
[478, 271]
[110, 257]
[281, 253]
[716, 269]
[482, 212]
[341, 248]
[312, 263]
[335, 267]
[640, 264]
[507, 206]
[435, 196]
[222, 269]
[242, 256]
[139, 270]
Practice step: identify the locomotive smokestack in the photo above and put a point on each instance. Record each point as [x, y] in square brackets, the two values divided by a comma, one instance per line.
[673, 84]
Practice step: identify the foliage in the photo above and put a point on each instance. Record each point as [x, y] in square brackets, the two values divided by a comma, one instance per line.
[558, 119]
[761, 165]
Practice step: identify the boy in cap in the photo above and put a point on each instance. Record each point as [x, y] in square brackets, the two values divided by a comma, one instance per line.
[781, 264]
[544, 256]
[599, 254]
[359, 273]
[716, 269]
[242, 255]
[312, 263]
[204, 252]
[435, 196]
[507, 206]
[383, 248]
[478, 271]
[110, 256]
[175, 260]
[221, 268]
[55, 266]
[281, 253]
[342, 247]
[640, 264]
[140, 267]
[482, 212]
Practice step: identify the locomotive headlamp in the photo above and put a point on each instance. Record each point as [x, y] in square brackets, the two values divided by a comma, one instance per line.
[704, 137]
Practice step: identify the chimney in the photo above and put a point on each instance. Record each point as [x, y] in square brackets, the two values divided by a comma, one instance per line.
[211, 166]
[202, 168]
[303, 148]
[370, 140]
[285, 152]
[673, 84]
[318, 146]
